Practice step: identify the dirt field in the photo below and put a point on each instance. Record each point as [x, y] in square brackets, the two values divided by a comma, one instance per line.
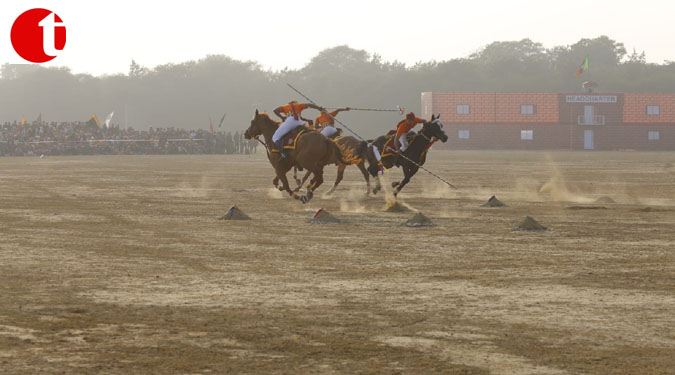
[119, 265]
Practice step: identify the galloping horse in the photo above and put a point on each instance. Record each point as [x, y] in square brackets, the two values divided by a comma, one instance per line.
[354, 152]
[312, 151]
[416, 151]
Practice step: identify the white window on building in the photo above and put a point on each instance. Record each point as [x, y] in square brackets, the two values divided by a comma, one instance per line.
[463, 134]
[653, 110]
[653, 135]
[527, 109]
[526, 135]
[463, 109]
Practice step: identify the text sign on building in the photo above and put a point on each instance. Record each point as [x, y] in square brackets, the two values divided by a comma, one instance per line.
[591, 98]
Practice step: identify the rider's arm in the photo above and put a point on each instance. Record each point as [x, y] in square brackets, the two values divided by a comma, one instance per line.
[341, 110]
[417, 121]
[312, 105]
[277, 111]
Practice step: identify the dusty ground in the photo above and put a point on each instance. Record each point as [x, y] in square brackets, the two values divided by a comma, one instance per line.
[119, 265]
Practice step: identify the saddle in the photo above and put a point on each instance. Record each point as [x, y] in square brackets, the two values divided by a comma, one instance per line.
[291, 139]
[337, 135]
[389, 147]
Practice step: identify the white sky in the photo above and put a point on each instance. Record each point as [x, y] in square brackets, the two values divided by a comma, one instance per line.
[103, 36]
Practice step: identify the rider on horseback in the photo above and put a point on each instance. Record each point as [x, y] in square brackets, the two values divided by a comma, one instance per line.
[290, 115]
[326, 122]
[402, 130]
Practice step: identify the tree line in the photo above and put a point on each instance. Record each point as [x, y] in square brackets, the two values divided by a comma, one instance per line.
[186, 94]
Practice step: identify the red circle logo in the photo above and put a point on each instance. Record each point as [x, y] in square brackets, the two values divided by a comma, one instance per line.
[38, 35]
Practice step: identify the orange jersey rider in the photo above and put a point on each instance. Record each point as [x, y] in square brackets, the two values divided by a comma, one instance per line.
[403, 128]
[326, 121]
[290, 114]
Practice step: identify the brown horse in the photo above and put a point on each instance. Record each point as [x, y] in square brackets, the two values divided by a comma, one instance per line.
[312, 151]
[354, 152]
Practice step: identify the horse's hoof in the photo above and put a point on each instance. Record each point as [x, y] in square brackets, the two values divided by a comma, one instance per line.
[304, 199]
[280, 188]
[298, 182]
[395, 184]
[309, 195]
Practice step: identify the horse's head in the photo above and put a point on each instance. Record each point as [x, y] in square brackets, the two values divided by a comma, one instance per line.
[257, 125]
[434, 128]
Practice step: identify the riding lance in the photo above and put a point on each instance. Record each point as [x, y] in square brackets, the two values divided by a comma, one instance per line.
[398, 109]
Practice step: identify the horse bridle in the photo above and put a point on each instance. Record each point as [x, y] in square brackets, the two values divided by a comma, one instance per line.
[267, 150]
[425, 136]
[257, 138]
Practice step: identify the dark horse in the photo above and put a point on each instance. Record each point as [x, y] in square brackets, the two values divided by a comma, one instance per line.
[416, 151]
[312, 151]
[354, 152]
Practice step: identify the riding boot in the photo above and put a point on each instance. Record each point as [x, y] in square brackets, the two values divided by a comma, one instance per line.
[280, 147]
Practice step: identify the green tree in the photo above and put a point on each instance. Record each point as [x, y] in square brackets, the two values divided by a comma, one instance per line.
[186, 94]
[136, 70]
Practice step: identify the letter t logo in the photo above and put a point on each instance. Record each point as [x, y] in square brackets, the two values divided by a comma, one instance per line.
[49, 25]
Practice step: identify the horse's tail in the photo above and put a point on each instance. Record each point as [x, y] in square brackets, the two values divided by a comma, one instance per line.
[365, 151]
[336, 151]
[376, 144]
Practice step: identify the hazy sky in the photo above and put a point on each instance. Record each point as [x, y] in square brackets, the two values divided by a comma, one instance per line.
[103, 36]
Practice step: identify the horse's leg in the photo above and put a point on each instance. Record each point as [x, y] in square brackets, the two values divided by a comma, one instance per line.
[408, 172]
[311, 183]
[366, 175]
[388, 163]
[375, 172]
[318, 180]
[300, 183]
[297, 180]
[378, 185]
[275, 182]
[282, 169]
[304, 179]
[397, 185]
[340, 175]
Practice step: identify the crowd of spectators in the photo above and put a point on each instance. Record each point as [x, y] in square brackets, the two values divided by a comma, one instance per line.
[82, 138]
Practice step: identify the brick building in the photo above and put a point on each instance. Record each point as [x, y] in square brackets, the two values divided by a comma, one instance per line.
[593, 121]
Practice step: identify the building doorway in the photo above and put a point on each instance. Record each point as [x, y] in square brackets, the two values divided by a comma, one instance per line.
[588, 140]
